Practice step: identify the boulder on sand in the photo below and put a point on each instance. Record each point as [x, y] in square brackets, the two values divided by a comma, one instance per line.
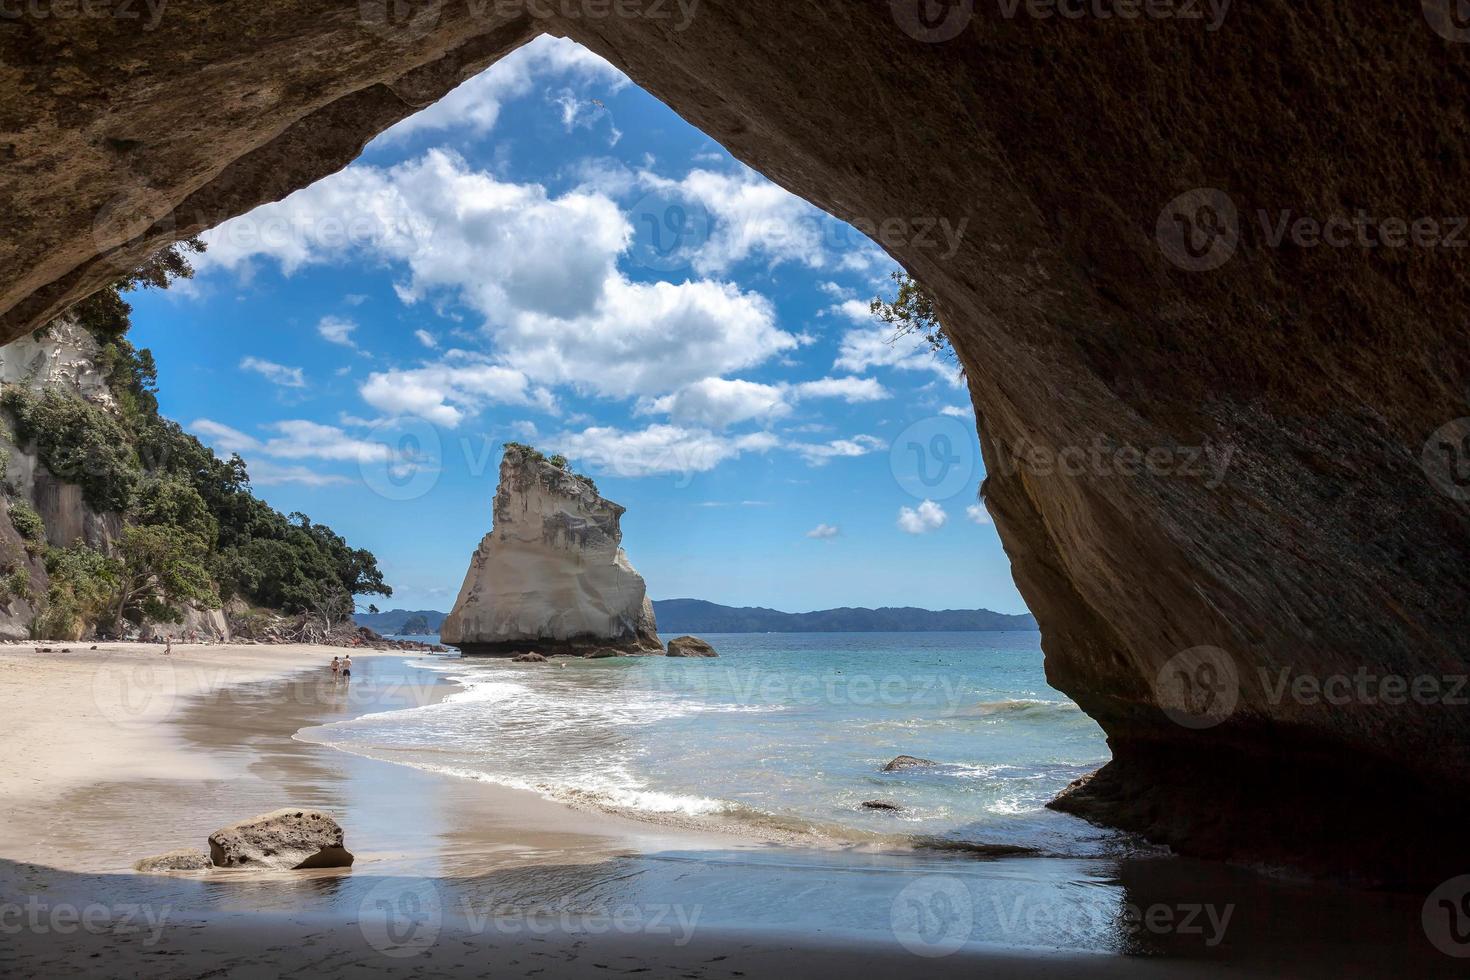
[907, 762]
[184, 859]
[281, 841]
[690, 646]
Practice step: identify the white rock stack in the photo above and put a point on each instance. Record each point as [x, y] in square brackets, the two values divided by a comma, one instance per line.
[551, 577]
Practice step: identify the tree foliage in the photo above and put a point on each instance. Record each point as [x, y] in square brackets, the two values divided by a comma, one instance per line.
[195, 532]
[911, 312]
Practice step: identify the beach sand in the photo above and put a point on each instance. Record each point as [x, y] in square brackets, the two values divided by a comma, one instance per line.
[116, 754]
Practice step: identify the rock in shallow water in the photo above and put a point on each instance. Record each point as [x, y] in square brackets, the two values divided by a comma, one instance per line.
[281, 841]
[880, 805]
[552, 575]
[907, 762]
[690, 646]
[184, 859]
[528, 658]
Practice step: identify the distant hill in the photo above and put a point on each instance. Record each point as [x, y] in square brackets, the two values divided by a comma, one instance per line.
[698, 616]
[393, 621]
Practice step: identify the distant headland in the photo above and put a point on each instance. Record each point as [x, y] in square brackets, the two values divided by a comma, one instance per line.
[699, 616]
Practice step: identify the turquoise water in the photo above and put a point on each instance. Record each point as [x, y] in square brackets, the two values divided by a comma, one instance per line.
[783, 733]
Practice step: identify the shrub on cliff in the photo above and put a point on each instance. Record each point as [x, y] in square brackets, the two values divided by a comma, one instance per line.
[79, 443]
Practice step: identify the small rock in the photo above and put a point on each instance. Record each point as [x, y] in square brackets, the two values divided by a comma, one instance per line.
[528, 658]
[690, 646]
[881, 805]
[281, 841]
[602, 653]
[907, 762]
[184, 859]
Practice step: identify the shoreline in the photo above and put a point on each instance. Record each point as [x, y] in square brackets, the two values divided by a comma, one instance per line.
[462, 876]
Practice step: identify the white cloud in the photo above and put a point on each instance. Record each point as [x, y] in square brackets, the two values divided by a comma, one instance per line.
[977, 514]
[750, 216]
[474, 106]
[222, 437]
[818, 454]
[717, 403]
[541, 270]
[448, 392]
[656, 450]
[426, 338]
[721, 402]
[824, 532]
[958, 411]
[850, 390]
[875, 344]
[337, 330]
[928, 516]
[271, 474]
[286, 377]
[297, 439]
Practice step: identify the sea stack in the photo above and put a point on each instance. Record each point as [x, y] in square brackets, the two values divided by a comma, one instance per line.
[551, 577]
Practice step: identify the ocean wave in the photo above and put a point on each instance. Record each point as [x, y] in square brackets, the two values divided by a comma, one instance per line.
[1018, 706]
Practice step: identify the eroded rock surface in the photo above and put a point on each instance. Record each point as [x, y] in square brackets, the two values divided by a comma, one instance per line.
[184, 859]
[282, 840]
[690, 646]
[551, 576]
[1289, 389]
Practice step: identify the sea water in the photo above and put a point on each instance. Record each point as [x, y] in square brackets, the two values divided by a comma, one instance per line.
[783, 734]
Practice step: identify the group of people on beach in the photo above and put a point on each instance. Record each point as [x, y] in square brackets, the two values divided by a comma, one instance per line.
[342, 666]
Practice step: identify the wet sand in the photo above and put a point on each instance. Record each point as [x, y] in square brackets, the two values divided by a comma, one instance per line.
[113, 755]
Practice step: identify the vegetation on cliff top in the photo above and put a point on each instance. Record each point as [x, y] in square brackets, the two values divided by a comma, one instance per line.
[195, 533]
[557, 460]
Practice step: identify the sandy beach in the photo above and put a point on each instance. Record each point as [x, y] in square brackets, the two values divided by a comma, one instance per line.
[115, 754]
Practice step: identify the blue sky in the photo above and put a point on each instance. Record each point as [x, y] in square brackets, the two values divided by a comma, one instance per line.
[551, 255]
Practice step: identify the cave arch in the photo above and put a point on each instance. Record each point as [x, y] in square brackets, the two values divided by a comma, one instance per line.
[1290, 390]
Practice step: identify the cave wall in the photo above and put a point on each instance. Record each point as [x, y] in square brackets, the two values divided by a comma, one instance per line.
[1288, 390]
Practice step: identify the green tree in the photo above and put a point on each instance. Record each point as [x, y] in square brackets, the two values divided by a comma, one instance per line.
[79, 443]
[157, 568]
[108, 315]
[910, 312]
[82, 582]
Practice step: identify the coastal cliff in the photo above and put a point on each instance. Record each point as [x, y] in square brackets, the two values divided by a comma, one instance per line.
[551, 576]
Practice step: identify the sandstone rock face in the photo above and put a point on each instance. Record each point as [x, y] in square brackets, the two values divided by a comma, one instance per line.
[551, 577]
[690, 646]
[1100, 295]
[282, 840]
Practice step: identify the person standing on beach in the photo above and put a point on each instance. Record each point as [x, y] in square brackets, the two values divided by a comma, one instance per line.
[168, 645]
[347, 666]
[336, 666]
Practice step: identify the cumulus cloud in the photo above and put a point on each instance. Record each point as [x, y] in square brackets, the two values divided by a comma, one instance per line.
[657, 449]
[294, 439]
[928, 516]
[977, 514]
[750, 217]
[824, 532]
[337, 330]
[278, 374]
[721, 402]
[819, 454]
[426, 338]
[958, 411]
[542, 271]
[475, 105]
[448, 392]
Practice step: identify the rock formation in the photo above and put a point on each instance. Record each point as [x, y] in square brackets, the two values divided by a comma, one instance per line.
[282, 840]
[551, 577]
[690, 646]
[184, 859]
[1212, 450]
